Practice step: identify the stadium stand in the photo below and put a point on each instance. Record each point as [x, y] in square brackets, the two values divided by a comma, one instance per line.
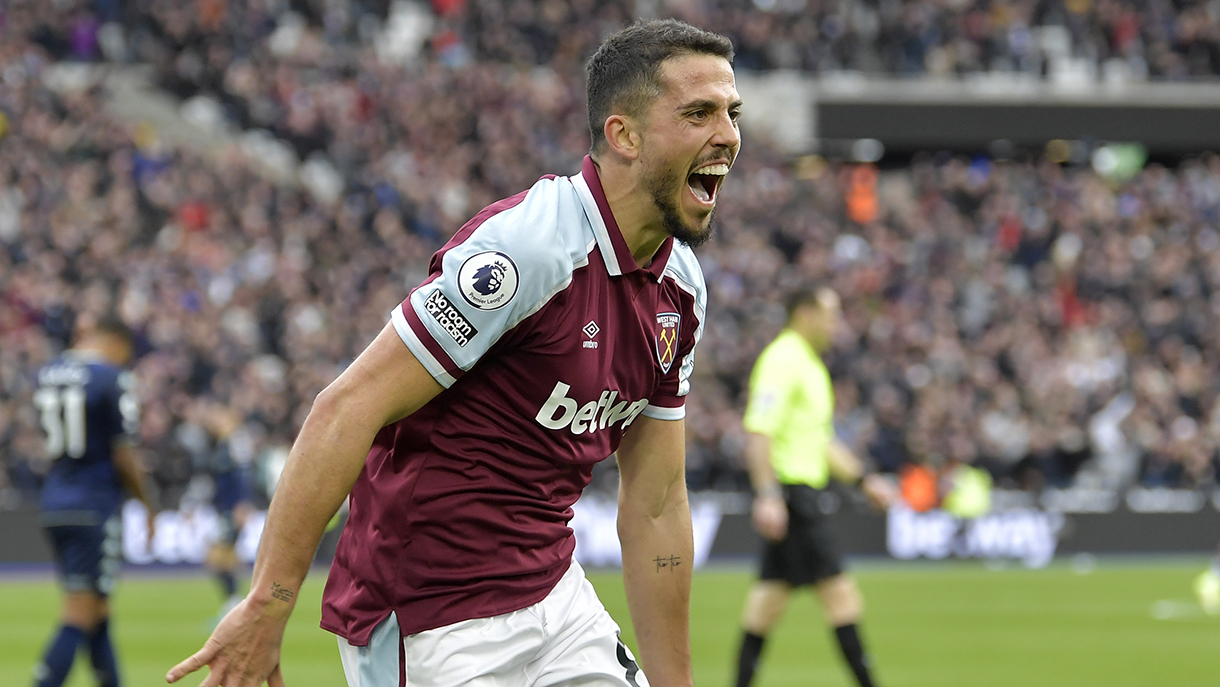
[1032, 315]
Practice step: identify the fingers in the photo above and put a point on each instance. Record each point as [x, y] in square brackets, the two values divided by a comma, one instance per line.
[771, 525]
[276, 679]
[190, 665]
[774, 531]
[215, 676]
[781, 527]
[768, 531]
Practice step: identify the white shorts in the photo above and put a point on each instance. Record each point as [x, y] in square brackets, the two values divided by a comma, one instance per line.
[567, 639]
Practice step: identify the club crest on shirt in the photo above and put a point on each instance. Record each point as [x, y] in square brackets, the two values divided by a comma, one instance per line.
[488, 280]
[667, 338]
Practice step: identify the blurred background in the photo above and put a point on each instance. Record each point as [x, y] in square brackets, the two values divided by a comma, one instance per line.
[1015, 200]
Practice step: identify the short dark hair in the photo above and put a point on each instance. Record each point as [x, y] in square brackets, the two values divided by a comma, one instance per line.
[113, 325]
[803, 296]
[623, 73]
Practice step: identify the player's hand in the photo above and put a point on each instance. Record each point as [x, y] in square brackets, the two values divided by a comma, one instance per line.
[881, 494]
[770, 515]
[243, 651]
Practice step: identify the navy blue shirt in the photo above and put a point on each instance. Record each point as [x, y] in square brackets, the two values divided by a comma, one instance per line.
[227, 477]
[85, 405]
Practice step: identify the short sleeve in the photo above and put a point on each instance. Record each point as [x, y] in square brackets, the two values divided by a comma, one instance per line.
[128, 405]
[668, 403]
[771, 384]
[678, 365]
[492, 276]
[118, 415]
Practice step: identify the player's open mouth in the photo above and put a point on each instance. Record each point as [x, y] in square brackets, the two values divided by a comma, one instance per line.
[704, 181]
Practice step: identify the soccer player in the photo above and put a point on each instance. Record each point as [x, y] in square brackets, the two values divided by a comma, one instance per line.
[91, 416]
[556, 328]
[792, 453]
[230, 496]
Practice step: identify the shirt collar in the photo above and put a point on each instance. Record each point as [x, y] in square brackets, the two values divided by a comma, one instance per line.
[84, 355]
[801, 341]
[610, 241]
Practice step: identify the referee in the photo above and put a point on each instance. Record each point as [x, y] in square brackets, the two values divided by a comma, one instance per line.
[792, 452]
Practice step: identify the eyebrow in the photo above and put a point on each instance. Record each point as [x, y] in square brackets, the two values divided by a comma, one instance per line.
[708, 105]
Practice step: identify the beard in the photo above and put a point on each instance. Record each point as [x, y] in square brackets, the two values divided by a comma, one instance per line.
[662, 188]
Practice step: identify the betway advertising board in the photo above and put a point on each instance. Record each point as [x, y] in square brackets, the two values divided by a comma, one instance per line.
[1024, 528]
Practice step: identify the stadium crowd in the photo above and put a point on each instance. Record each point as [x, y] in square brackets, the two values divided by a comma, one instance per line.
[1033, 318]
[192, 42]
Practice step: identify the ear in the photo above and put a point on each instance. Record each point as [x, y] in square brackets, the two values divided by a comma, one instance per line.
[622, 138]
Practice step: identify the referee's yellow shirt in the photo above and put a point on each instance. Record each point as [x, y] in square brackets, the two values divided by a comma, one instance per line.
[791, 401]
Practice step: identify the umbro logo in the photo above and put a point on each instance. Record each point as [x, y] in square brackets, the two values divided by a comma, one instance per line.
[590, 331]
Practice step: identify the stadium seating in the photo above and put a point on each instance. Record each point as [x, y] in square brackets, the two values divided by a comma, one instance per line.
[1041, 320]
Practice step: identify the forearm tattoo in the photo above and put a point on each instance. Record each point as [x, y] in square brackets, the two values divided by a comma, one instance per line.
[281, 592]
[669, 562]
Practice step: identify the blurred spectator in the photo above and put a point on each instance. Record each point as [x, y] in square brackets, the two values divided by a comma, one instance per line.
[1114, 38]
[1037, 320]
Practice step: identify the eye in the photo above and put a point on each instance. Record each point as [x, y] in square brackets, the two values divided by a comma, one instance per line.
[699, 115]
[733, 114]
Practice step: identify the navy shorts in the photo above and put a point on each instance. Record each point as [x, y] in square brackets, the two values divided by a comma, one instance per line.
[808, 554]
[88, 557]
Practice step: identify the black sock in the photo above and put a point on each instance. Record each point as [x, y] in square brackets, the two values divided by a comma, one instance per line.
[853, 653]
[747, 660]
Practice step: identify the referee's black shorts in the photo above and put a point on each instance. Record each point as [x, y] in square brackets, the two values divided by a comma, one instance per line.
[808, 554]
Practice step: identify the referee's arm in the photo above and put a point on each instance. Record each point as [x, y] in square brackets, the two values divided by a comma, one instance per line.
[769, 512]
[846, 467]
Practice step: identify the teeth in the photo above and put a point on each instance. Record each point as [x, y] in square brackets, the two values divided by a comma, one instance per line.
[713, 170]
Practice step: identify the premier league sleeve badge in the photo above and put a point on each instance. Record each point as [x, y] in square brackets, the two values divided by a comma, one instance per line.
[488, 280]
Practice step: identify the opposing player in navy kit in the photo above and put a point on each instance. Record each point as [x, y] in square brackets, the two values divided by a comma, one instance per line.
[556, 328]
[90, 415]
[230, 495]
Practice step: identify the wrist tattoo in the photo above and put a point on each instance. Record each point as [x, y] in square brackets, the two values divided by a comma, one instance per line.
[281, 592]
[670, 562]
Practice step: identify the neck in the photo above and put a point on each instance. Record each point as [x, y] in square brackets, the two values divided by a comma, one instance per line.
[96, 347]
[633, 209]
[815, 342]
[89, 347]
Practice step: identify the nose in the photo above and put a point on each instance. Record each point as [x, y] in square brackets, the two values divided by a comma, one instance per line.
[727, 134]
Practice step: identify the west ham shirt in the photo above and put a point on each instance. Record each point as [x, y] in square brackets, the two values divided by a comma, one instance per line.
[550, 342]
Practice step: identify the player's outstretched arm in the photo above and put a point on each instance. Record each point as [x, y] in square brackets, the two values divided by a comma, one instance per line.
[654, 527]
[383, 385]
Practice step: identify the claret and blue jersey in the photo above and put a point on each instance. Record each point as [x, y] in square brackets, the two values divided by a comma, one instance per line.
[550, 342]
[84, 404]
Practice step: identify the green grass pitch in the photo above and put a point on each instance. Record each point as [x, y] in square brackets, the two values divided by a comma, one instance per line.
[928, 625]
